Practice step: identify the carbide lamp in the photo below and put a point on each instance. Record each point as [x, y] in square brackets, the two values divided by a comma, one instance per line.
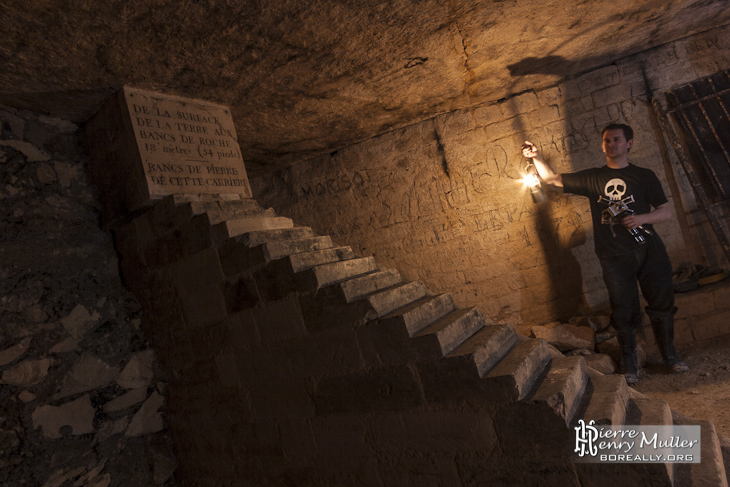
[532, 181]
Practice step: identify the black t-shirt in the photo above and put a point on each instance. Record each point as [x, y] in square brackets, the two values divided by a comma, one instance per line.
[614, 185]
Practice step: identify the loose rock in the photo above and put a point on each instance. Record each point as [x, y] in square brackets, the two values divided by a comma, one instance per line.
[78, 414]
[87, 374]
[147, 420]
[27, 373]
[15, 352]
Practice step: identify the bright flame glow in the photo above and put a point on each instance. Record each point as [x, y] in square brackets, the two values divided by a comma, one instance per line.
[530, 180]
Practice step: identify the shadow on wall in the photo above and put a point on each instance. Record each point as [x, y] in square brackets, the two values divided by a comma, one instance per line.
[565, 295]
[562, 296]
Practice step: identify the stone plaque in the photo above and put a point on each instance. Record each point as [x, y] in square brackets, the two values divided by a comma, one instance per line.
[186, 146]
[147, 145]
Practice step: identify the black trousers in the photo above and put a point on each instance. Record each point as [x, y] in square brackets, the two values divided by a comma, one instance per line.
[649, 266]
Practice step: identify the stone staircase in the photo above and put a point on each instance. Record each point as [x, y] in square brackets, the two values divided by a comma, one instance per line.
[299, 363]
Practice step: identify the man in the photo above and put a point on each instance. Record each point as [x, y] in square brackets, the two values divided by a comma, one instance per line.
[626, 201]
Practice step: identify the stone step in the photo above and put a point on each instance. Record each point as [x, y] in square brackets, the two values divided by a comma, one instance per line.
[305, 260]
[358, 287]
[326, 274]
[419, 314]
[607, 398]
[385, 302]
[202, 203]
[711, 471]
[563, 387]
[515, 375]
[252, 239]
[648, 411]
[455, 328]
[217, 213]
[233, 228]
[277, 250]
[487, 347]
[219, 216]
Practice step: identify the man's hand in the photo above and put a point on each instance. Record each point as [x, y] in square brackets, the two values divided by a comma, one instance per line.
[529, 150]
[633, 221]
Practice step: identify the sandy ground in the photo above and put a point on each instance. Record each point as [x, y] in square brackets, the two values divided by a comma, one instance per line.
[701, 393]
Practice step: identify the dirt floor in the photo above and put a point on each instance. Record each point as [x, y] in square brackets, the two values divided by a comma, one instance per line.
[701, 393]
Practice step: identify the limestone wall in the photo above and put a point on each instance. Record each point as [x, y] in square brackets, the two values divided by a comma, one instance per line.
[82, 399]
[442, 201]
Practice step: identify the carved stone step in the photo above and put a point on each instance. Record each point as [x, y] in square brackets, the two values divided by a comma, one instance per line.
[259, 237]
[453, 329]
[305, 260]
[515, 375]
[711, 471]
[218, 216]
[608, 397]
[645, 410]
[326, 274]
[397, 297]
[277, 250]
[425, 311]
[232, 228]
[238, 254]
[563, 387]
[487, 347]
[359, 287]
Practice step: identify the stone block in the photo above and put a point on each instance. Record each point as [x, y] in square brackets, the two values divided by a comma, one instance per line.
[321, 353]
[326, 274]
[601, 362]
[487, 347]
[305, 260]
[148, 139]
[488, 114]
[433, 431]
[522, 103]
[563, 386]
[397, 297]
[358, 287]
[277, 250]
[253, 239]
[566, 337]
[281, 399]
[426, 311]
[609, 396]
[279, 320]
[382, 389]
[504, 128]
[227, 371]
[544, 116]
[387, 342]
[513, 377]
[240, 226]
[455, 328]
[590, 82]
[297, 440]
[240, 293]
[341, 436]
[710, 326]
[243, 331]
[617, 94]
[549, 96]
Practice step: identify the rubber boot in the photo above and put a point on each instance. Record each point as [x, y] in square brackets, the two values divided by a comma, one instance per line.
[663, 328]
[629, 355]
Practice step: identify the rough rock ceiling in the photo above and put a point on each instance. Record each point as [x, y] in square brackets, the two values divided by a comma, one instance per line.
[309, 76]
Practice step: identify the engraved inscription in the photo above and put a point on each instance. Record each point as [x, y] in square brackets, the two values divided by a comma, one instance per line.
[186, 145]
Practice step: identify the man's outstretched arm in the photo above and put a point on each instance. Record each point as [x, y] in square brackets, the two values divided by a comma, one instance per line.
[530, 151]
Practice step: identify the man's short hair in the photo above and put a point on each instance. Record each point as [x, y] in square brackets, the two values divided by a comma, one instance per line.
[628, 131]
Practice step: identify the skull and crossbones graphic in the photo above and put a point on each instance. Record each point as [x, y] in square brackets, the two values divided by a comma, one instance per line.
[615, 189]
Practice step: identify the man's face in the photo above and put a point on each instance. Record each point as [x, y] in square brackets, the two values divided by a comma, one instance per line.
[615, 143]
